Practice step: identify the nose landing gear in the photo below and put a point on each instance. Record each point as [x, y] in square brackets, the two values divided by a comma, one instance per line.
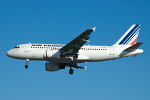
[26, 66]
[27, 61]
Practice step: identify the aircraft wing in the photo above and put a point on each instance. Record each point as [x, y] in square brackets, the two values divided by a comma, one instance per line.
[71, 49]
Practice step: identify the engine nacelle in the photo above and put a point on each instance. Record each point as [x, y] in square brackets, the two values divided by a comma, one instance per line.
[51, 54]
[53, 66]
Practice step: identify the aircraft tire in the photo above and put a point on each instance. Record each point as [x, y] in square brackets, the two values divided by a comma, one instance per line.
[71, 71]
[26, 66]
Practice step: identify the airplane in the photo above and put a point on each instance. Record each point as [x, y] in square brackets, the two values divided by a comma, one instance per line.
[59, 56]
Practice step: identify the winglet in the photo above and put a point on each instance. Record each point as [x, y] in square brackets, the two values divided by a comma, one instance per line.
[94, 28]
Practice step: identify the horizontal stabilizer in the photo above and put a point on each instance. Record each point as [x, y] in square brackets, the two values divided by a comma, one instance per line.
[133, 47]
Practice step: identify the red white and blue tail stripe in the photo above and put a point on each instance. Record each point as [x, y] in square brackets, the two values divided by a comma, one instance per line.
[130, 37]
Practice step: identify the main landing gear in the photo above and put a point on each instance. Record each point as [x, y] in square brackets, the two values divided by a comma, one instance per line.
[71, 71]
[27, 61]
[75, 66]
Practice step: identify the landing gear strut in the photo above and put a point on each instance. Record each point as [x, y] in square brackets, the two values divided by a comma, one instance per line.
[27, 61]
[71, 71]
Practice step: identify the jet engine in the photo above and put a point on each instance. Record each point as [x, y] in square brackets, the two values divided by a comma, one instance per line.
[53, 66]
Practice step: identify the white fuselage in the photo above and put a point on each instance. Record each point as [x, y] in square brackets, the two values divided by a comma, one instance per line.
[51, 52]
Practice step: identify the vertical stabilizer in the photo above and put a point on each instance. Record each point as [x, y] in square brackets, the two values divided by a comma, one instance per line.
[130, 37]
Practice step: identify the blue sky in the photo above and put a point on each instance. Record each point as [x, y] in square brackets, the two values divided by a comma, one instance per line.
[60, 21]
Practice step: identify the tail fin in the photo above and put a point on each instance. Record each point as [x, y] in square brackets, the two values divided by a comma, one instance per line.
[130, 37]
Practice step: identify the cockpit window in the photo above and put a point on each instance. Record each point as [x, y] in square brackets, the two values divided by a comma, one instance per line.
[17, 47]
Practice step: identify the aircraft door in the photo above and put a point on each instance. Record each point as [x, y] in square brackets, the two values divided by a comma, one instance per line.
[26, 48]
[51, 54]
[111, 50]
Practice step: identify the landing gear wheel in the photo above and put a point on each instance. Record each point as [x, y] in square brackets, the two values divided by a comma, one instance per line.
[71, 71]
[26, 66]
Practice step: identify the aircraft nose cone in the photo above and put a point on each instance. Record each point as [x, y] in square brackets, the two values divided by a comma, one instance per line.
[8, 53]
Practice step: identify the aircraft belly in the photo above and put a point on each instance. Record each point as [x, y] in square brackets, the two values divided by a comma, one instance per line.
[59, 60]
